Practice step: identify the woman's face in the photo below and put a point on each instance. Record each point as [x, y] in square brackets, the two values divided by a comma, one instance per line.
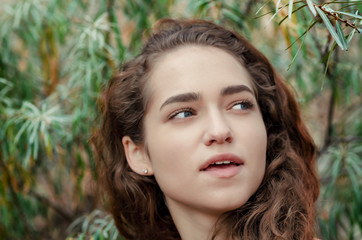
[204, 133]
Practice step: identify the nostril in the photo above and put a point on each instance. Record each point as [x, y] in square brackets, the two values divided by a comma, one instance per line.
[220, 140]
[217, 134]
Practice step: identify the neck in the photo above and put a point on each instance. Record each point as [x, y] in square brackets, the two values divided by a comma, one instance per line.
[192, 224]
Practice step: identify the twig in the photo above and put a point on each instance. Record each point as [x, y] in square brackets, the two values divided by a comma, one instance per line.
[337, 18]
[329, 129]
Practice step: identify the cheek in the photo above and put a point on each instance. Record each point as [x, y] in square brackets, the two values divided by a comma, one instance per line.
[260, 150]
[255, 137]
[262, 143]
[170, 168]
[168, 152]
[171, 152]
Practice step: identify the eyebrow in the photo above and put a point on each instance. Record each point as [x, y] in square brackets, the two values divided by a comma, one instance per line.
[192, 96]
[235, 89]
[184, 97]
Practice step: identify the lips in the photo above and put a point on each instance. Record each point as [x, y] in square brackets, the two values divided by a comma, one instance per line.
[221, 161]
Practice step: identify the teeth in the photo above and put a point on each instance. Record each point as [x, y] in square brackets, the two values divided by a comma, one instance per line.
[224, 162]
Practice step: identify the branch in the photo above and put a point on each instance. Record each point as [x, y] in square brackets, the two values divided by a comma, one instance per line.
[329, 129]
[337, 18]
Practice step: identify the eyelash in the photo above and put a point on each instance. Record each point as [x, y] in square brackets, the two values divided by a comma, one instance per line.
[246, 102]
[174, 114]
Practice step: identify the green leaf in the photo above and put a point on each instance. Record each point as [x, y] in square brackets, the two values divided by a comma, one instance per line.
[275, 14]
[333, 216]
[336, 168]
[330, 52]
[354, 182]
[203, 6]
[313, 22]
[262, 7]
[350, 35]
[281, 21]
[33, 130]
[22, 129]
[296, 54]
[311, 7]
[227, 13]
[31, 107]
[35, 149]
[341, 35]
[330, 28]
[349, 14]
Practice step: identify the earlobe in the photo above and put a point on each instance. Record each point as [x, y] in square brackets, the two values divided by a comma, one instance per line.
[137, 157]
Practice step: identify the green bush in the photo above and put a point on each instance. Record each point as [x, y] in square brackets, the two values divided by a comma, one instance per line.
[56, 55]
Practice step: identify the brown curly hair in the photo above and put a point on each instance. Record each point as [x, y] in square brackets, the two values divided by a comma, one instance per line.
[283, 205]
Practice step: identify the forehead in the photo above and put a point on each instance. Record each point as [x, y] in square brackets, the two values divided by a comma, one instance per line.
[183, 58]
[189, 68]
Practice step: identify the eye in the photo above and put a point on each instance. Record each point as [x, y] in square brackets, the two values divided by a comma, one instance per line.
[182, 113]
[243, 105]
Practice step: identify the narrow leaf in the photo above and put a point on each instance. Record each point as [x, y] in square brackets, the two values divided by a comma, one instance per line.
[341, 35]
[350, 14]
[296, 54]
[227, 13]
[21, 131]
[33, 130]
[35, 149]
[311, 7]
[354, 182]
[313, 22]
[290, 9]
[262, 7]
[351, 35]
[293, 12]
[31, 107]
[330, 28]
[277, 5]
[274, 15]
[327, 64]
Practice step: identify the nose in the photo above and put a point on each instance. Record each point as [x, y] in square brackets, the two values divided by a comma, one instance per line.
[217, 130]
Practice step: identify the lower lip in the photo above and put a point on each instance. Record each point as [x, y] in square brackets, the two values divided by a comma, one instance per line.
[223, 171]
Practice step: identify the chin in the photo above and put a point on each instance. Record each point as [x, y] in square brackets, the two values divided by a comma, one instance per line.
[229, 207]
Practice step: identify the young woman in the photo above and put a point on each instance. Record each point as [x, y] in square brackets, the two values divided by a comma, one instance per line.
[202, 139]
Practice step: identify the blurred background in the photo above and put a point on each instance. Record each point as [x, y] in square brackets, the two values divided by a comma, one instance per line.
[57, 55]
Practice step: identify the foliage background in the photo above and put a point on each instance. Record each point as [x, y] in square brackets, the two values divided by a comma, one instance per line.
[56, 55]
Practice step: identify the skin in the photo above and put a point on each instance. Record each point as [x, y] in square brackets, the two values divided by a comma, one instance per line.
[202, 106]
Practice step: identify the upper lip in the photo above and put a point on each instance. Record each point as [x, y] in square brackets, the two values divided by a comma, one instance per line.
[222, 157]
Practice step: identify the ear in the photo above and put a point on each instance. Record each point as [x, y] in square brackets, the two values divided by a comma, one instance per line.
[137, 157]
